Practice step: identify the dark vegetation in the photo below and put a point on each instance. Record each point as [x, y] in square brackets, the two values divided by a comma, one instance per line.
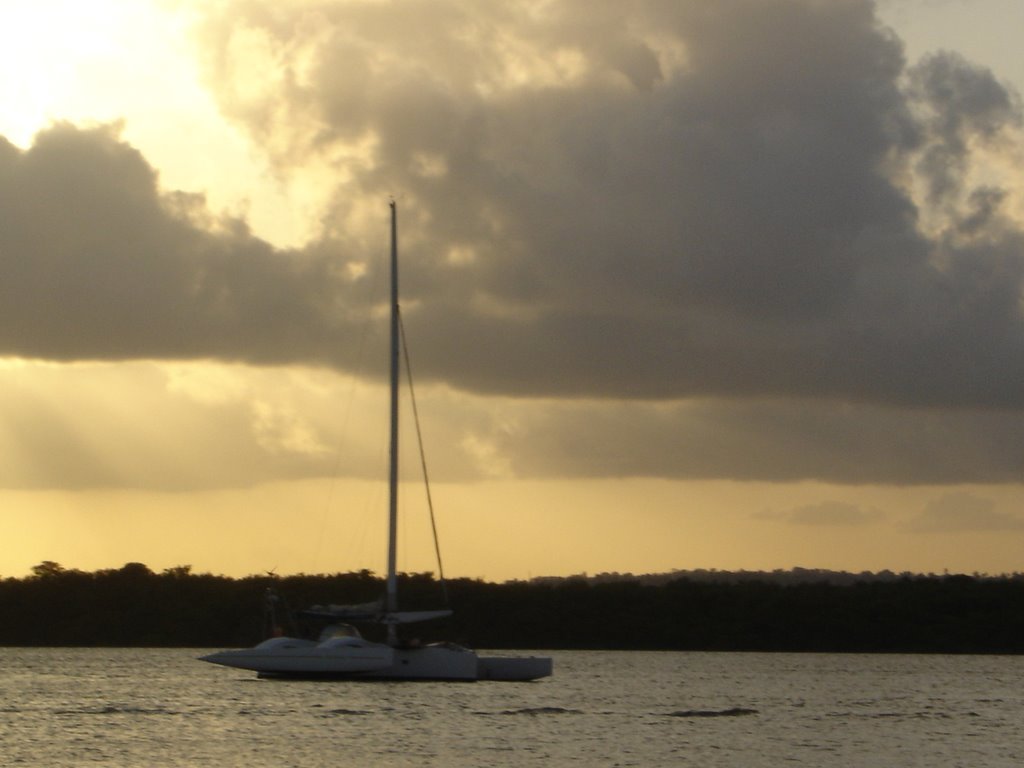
[779, 611]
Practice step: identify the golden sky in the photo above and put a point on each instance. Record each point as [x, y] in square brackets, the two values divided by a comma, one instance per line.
[686, 285]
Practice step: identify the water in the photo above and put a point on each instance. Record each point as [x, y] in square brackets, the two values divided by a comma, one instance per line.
[154, 708]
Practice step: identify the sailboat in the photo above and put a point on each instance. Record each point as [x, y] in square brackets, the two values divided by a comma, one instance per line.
[341, 652]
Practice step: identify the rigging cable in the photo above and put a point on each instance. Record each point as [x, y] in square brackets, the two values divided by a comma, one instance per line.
[423, 458]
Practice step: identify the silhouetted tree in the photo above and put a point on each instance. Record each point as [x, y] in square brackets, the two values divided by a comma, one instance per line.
[785, 611]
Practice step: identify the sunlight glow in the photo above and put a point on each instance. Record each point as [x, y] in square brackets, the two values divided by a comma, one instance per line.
[131, 62]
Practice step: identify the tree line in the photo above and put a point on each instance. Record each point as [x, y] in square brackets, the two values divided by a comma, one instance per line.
[134, 606]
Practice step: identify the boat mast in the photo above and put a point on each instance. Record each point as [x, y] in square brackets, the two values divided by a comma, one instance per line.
[392, 580]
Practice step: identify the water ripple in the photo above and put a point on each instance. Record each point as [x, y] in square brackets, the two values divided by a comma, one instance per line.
[536, 711]
[112, 709]
[731, 712]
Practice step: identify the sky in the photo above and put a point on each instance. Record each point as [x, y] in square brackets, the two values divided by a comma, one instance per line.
[733, 285]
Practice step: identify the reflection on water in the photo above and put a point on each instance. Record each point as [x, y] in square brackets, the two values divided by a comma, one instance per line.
[141, 707]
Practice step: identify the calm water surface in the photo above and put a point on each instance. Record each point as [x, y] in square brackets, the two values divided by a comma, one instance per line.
[152, 708]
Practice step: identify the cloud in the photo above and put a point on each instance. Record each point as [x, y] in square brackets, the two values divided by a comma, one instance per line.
[963, 103]
[187, 426]
[650, 201]
[659, 200]
[965, 513]
[184, 427]
[755, 440]
[826, 513]
[97, 263]
[739, 239]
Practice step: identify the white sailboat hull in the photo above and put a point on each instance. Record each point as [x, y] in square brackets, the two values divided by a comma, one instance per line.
[513, 669]
[432, 662]
[288, 657]
[285, 655]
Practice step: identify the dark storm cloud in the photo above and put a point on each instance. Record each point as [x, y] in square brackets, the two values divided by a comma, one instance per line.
[760, 440]
[632, 200]
[96, 264]
[660, 199]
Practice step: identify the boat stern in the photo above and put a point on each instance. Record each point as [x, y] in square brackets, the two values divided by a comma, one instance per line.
[512, 669]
